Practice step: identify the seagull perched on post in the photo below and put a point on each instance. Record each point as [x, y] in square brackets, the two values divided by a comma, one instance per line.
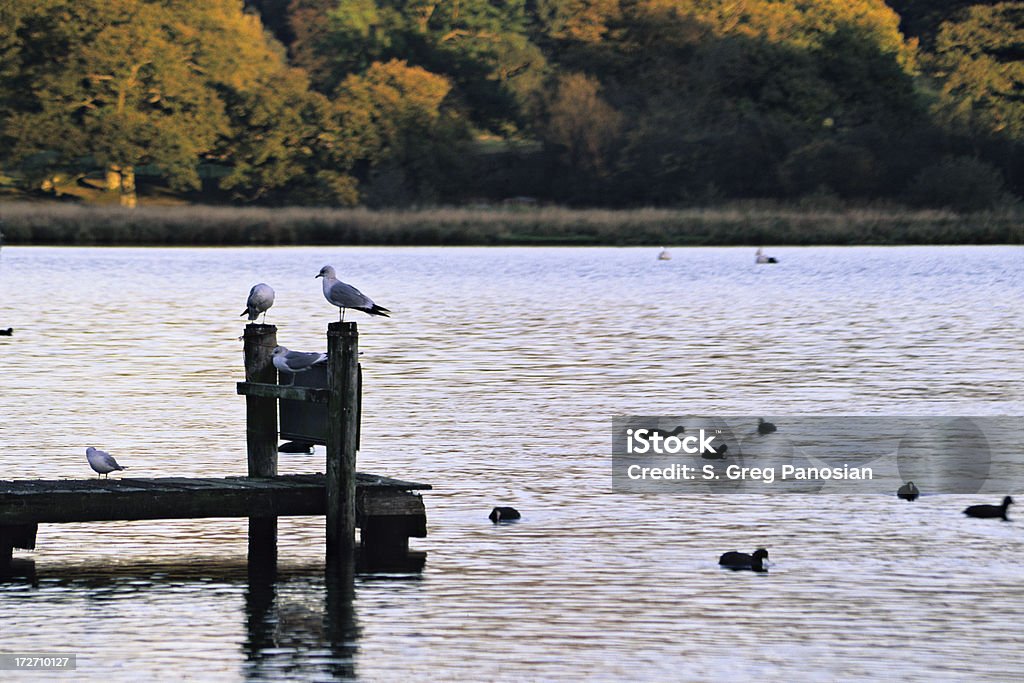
[294, 362]
[261, 297]
[346, 296]
[101, 462]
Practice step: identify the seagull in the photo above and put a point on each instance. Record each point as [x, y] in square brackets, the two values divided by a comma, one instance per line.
[346, 296]
[101, 462]
[759, 257]
[663, 255]
[261, 297]
[294, 362]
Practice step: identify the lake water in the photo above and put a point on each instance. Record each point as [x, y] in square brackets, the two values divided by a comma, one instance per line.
[496, 381]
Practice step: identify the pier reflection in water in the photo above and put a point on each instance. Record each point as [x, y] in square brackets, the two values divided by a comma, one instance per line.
[299, 620]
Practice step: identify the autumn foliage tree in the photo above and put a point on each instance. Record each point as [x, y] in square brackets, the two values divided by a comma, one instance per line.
[138, 83]
[113, 84]
[400, 117]
[980, 60]
[617, 102]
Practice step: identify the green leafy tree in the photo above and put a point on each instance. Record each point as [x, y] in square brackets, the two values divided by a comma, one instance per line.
[311, 48]
[480, 46]
[959, 183]
[584, 130]
[288, 145]
[719, 95]
[113, 84]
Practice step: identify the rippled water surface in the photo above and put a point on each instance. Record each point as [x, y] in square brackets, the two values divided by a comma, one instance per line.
[495, 381]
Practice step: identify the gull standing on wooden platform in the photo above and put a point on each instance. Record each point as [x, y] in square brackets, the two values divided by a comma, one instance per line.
[261, 297]
[294, 362]
[101, 462]
[346, 296]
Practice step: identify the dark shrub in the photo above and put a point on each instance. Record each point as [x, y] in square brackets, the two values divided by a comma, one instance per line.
[958, 183]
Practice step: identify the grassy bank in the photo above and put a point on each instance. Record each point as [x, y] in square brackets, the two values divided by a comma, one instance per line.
[69, 224]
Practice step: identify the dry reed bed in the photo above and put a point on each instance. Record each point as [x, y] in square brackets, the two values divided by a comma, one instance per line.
[71, 224]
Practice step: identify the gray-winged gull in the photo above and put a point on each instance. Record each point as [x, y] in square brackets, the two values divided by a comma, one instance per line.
[294, 362]
[346, 296]
[101, 462]
[261, 297]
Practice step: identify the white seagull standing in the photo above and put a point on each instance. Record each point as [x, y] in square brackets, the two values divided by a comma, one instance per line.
[101, 462]
[261, 297]
[294, 362]
[346, 296]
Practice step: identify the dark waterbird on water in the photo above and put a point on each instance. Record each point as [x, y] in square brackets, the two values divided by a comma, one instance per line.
[719, 453]
[908, 491]
[504, 514]
[990, 511]
[736, 561]
[764, 427]
[675, 432]
[7, 333]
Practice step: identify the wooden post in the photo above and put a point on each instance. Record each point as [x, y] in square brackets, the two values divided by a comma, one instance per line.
[261, 413]
[15, 536]
[342, 435]
[6, 557]
[261, 433]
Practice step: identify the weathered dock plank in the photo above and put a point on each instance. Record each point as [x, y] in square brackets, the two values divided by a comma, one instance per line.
[265, 390]
[93, 500]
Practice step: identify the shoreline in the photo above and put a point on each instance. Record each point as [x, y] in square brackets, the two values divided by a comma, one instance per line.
[54, 224]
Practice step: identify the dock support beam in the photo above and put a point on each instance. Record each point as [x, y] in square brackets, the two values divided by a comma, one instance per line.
[342, 436]
[15, 536]
[261, 433]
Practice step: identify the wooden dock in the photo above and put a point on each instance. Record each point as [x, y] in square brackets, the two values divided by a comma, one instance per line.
[386, 510]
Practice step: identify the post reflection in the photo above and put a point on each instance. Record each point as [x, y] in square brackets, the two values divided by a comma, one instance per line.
[306, 624]
[287, 621]
[300, 625]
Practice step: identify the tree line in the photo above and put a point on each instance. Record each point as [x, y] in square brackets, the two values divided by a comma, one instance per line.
[581, 102]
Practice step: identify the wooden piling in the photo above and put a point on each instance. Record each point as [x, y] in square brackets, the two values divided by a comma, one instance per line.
[260, 413]
[261, 432]
[342, 436]
[15, 536]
